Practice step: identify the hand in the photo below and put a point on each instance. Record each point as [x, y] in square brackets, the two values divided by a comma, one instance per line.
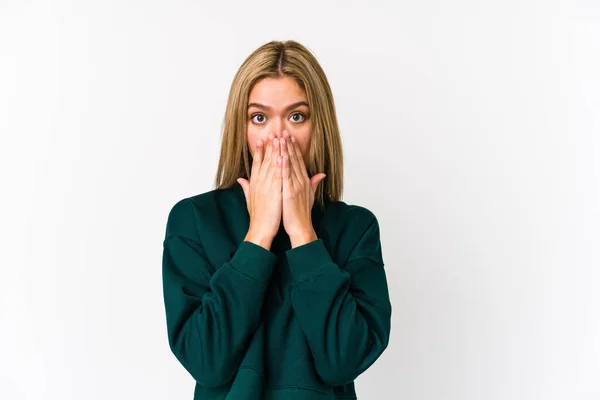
[263, 193]
[298, 193]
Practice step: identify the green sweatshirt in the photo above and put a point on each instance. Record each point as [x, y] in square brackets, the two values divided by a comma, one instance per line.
[249, 323]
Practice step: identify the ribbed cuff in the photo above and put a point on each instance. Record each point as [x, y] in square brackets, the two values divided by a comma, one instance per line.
[308, 260]
[254, 260]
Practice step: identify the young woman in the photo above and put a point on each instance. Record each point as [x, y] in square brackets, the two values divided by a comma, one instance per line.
[274, 288]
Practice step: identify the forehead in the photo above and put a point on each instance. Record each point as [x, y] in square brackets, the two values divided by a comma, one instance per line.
[276, 92]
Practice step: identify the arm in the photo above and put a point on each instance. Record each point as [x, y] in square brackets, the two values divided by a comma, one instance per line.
[211, 316]
[345, 313]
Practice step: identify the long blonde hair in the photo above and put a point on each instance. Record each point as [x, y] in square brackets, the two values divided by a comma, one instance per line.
[277, 59]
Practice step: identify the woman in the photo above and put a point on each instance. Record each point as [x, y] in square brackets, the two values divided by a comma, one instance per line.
[274, 288]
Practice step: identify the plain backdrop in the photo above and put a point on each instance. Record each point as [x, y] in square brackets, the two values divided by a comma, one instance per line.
[470, 128]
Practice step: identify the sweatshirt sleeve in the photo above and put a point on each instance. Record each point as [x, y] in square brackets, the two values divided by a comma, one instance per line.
[345, 313]
[211, 312]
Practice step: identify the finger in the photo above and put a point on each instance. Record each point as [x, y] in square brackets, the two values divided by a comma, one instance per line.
[299, 157]
[264, 166]
[275, 154]
[295, 165]
[278, 172]
[315, 180]
[286, 177]
[257, 159]
[286, 168]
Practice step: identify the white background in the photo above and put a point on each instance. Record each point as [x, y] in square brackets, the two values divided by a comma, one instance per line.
[470, 128]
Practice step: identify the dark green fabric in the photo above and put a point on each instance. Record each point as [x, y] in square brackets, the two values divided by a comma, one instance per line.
[297, 324]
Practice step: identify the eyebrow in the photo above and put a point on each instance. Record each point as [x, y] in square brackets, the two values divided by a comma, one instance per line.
[291, 106]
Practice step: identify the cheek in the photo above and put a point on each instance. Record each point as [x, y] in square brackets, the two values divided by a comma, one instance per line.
[251, 137]
[305, 143]
[304, 146]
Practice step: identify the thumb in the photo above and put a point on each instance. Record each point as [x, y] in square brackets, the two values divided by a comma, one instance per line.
[316, 179]
[245, 186]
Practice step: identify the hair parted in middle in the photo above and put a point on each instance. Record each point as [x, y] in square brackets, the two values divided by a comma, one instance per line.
[273, 60]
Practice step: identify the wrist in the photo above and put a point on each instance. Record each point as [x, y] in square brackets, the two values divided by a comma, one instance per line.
[259, 239]
[301, 238]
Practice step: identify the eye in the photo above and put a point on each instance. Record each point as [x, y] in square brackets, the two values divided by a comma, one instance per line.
[262, 116]
[255, 115]
[300, 114]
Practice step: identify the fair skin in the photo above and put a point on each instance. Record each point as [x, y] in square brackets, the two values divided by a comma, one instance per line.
[280, 190]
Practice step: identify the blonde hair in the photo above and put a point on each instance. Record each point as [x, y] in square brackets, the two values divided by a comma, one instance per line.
[277, 59]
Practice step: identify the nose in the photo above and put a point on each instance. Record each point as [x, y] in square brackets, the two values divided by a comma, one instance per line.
[276, 129]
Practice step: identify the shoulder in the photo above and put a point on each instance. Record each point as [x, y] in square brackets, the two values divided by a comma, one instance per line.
[352, 230]
[182, 219]
[340, 212]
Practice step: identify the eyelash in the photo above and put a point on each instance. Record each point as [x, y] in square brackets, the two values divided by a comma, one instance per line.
[260, 123]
